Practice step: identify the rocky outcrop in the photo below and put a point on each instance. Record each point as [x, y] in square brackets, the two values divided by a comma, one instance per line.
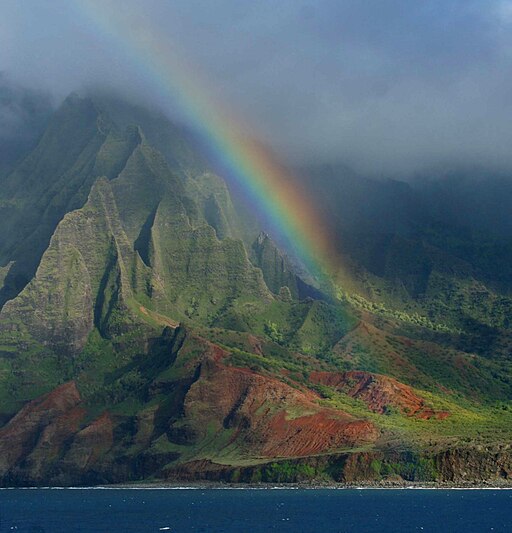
[269, 417]
[90, 444]
[50, 440]
[380, 393]
[475, 463]
[274, 265]
[79, 145]
[278, 271]
[82, 280]
[460, 467]
[42, 425]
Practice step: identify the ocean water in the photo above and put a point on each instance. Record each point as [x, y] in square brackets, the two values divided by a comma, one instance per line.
[254, 510]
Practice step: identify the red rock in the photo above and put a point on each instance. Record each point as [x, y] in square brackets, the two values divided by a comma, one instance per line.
[270, 418]
[91, 443]
[40, 425]
[378, 392]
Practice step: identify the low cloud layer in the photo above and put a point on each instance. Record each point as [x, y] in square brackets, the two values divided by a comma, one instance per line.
[391, 87]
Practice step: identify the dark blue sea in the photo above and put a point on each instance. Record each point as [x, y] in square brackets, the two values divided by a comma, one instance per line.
[254, 510]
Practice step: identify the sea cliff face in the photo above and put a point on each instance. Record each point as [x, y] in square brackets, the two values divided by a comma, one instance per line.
[467, 467]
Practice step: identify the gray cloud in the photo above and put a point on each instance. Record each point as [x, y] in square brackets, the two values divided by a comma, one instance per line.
[389, 86]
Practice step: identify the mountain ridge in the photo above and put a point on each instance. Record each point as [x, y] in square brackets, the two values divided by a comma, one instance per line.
[148, 331]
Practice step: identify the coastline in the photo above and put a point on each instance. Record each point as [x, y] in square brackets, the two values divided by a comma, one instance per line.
[215, 485]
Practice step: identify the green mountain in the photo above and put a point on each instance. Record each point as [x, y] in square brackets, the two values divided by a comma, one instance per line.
[150, 330]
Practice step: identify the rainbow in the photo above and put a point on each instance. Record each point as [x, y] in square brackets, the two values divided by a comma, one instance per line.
[266, 183]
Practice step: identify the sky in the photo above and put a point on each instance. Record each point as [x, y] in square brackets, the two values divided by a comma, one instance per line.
[389, 87]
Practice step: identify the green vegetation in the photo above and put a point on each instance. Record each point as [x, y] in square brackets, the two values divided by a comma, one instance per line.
[287, 472]
[112, 237]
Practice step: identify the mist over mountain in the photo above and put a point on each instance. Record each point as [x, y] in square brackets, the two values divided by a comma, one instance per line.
[391, 88]
[473, 199]
[24, 113]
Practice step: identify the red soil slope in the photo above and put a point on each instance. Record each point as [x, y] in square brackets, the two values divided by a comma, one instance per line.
[270, 417]
[48, 428]
[378, 392]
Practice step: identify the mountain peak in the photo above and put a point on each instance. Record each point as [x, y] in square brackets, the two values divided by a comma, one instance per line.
[262, 238]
